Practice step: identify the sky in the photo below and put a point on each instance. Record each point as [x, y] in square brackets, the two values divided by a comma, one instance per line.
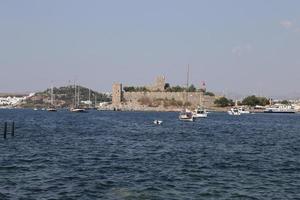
[235, 46]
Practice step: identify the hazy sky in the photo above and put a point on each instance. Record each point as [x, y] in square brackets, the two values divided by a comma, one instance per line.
[241, 46]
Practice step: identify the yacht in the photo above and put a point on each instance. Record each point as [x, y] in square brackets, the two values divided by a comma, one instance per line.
[234, 111]
[76, 107]
[200, 113]
[186, 115]
[280, 109]
[52, 108]
[242, 110]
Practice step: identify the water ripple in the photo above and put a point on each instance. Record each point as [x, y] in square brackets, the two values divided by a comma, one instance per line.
[122, 155]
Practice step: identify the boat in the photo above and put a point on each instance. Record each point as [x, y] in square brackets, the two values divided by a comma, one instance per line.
[76, 107]
[200, 113]
[52, 108]
[280, 109]
[77, 110]
[185, 114]
[158, 122]
[242, 110]
[234, 111]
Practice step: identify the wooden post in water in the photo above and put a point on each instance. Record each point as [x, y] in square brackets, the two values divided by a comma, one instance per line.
[13, 129]
[5, 130]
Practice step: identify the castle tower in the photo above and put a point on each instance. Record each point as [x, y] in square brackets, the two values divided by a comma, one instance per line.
[203, 86]
[159, 84]
[117, 93]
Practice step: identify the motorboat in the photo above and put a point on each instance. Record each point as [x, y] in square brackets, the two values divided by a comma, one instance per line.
[158, 122]
[242, 110]
[78, 110]
[51, 109]
[186, 115]
[234, 111]
[280, 109]
[200, 113]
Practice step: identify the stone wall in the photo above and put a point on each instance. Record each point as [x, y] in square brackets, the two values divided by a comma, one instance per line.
[193, 97]
[117, 93]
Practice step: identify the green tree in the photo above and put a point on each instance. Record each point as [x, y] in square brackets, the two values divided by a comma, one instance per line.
[167, 86]
[253, 101]
[129, 89]
[209, 94]
[223, 102]
[286, 102]
[192, 88]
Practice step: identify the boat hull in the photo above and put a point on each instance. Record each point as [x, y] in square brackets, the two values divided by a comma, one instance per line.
[200, 115]
[187, 119]
[280, 112]
[78, 110]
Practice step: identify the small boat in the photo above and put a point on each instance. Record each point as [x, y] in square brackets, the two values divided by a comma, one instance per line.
[35, 109]
[186, 115]
[200, 113]
[158, 122]
[51, 110]
[77, 110]
[284, 109]
[234, 111]
[242, 110]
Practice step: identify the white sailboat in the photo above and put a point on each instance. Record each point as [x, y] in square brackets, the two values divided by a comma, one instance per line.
[185, 114]
[200, 112]
[52, 107]
[76, 107]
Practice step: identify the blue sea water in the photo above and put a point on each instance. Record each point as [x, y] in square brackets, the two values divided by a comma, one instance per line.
[123, 155]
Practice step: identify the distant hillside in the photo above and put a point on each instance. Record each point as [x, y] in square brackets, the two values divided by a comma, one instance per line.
[13, 94]
[64, 97]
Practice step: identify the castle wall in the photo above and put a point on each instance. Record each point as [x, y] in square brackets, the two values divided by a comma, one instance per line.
[193, 97]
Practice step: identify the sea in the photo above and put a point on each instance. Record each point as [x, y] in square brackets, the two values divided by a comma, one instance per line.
[124, 155]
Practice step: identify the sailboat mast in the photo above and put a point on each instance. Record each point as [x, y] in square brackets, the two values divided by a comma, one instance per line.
[52, 95]
[187, 82]
[89, 97]
[74, 94]
[187, 77]
[78, 94]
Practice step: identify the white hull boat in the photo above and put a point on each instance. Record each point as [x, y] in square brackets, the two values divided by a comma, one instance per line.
[186, 115]
[77, 110]
[200, 113]
[234, 111]
[158, 122]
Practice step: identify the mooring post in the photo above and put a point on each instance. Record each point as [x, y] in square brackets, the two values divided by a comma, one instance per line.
[13, 129]
[5, 130]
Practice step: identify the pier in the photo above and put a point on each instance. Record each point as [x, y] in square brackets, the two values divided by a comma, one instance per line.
[6, 129]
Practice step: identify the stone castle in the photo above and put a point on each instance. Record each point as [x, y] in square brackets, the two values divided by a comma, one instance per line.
[157, 92]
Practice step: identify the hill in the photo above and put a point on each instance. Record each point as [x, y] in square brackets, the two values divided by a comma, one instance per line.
[64, 97]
